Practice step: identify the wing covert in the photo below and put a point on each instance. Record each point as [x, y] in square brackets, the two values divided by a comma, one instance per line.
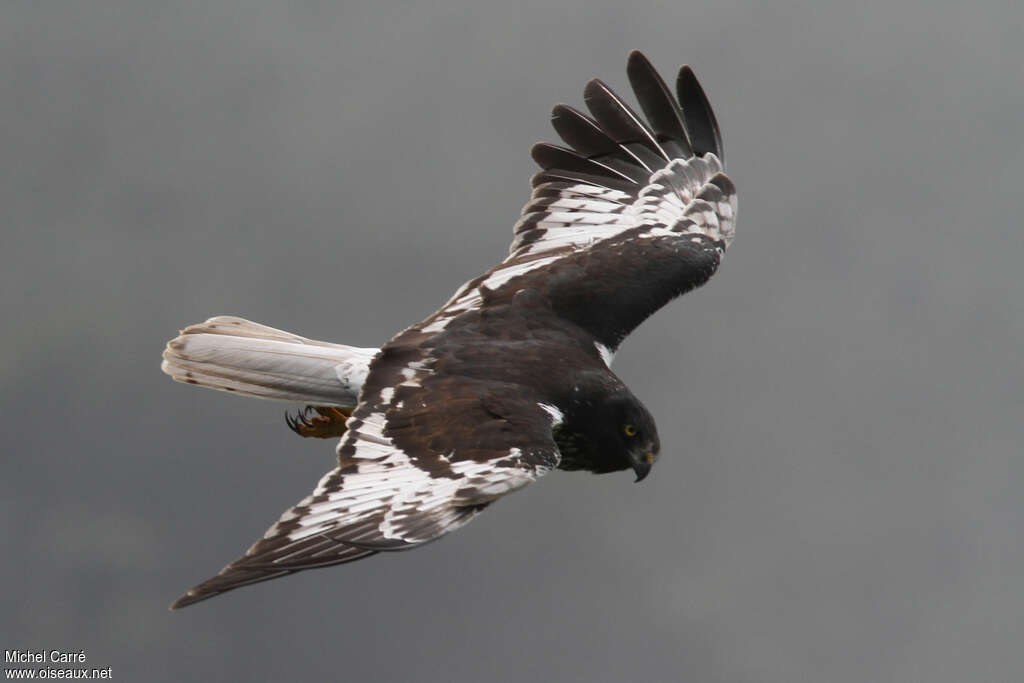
[636, 211]
[421, 458]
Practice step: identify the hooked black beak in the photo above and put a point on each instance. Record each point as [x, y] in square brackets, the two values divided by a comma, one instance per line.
[642, 460]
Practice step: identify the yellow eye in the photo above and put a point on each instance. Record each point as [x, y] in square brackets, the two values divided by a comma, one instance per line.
[630, 430]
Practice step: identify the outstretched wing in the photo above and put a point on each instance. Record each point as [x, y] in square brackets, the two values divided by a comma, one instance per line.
[634, 214]
[417, 462]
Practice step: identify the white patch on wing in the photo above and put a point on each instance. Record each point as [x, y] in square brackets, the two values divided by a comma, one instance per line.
[400, 500]
[557, 416]
[370, 440]
[606, 354]
[413, 372]
[439, 323]
[682, 197]
[385, 476]
[488, 481]
[469, 298]
[687, 196]
[508, 270]
[579, 216]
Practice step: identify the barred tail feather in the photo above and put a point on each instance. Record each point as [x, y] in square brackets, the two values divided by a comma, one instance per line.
[243, 357]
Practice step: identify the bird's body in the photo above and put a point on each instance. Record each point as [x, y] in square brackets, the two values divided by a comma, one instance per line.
[512, 377]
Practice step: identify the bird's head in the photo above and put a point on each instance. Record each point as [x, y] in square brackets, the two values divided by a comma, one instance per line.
[631, 433]
[609, 435]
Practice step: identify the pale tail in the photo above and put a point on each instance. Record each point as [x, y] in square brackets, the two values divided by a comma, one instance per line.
[236, 355]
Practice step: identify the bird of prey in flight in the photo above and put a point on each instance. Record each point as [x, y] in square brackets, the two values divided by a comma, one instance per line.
[511, 378]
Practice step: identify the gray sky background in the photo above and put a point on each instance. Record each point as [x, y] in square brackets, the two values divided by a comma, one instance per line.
[839, 497]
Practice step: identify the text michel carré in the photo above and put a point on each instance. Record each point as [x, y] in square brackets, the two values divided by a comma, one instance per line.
[43, 656]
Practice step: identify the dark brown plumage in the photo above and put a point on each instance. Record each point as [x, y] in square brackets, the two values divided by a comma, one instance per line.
[511, 378]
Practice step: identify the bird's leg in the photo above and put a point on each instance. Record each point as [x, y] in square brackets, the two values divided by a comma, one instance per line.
[329, 423]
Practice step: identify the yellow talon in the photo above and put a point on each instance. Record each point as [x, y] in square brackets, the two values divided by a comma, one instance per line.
[329, 423]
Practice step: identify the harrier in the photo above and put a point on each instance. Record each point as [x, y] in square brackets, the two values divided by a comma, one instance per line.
[511, 378]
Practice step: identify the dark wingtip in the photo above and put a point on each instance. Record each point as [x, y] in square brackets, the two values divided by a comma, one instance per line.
[550, 156]
[663, 112]
[700, 118]
[638, 68]
[638, 60]
[621, 123]
[542, 154]
[581, 132]
[186, 600]
[595, 89]
[614, 146]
